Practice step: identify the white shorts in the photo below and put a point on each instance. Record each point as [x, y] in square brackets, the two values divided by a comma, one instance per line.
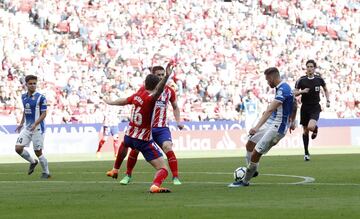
[26, 136]
[266, 138]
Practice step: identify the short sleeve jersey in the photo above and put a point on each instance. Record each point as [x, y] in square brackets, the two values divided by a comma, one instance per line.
[34, 105]
[160, 112]
[141, 115]
[313, 96]
[280, 117]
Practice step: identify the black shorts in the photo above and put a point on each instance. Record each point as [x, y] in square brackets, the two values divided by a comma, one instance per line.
[308, 112]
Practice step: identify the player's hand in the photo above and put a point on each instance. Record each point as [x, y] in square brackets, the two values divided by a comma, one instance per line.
[170, 67]
[18, 128]
[305, 90]
[180, 126]
[328, 104]
[32, 128]
[252, 131]
[106, 99]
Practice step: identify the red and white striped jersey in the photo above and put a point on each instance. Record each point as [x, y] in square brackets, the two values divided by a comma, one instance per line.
[141, 115]
[160, 113]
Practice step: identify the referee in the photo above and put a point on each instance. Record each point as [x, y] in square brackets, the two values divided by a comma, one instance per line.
[308, 87]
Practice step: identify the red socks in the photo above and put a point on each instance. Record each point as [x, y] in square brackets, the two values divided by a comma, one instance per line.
[132, 158]
[160, 176]
[122, 152]
[173, 164]
[101, 143]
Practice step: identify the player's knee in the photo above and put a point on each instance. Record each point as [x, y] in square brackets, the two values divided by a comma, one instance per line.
[159, 163]
[250, 146]
[38, 153]
[19, 149]
[167, 146]
[311, 127]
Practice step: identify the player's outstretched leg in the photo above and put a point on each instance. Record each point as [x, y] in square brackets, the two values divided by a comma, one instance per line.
[160, 176]
[122, 152]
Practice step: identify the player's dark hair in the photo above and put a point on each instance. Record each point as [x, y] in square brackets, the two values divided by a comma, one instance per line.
[271, 70]
[311, 61]
[151, 81]
[30, 77]
[156, 68]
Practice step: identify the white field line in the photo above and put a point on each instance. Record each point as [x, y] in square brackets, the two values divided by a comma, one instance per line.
[304, 179]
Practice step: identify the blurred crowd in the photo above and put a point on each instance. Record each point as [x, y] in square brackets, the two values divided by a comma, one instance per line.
[83, 50]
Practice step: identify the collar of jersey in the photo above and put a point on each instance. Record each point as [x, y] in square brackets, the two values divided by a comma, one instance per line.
[280, 84]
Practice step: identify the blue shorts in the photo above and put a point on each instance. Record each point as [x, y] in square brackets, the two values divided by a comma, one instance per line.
[111, 130]
[161, 134]
[149, 149]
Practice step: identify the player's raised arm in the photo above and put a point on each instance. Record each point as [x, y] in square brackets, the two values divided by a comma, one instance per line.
[118, 102]
[161, 85]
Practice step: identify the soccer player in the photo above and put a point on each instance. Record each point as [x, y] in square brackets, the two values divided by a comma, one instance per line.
[33, 116]
[110, 127]
[250, 108]
[138, 134]
[273, 124]
[308, 87]
[160, 133]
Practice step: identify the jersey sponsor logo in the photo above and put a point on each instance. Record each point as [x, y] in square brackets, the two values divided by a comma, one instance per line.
[27, 109]
[160, 103]
[317, 88]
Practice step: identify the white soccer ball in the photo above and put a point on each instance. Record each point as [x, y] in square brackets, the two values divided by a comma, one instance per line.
[239, 174]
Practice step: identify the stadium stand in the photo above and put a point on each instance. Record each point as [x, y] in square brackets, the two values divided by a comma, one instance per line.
[83, 49]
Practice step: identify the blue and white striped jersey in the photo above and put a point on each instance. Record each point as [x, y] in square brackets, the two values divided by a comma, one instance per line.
[33, 106]
[280, 117]
[250, 107]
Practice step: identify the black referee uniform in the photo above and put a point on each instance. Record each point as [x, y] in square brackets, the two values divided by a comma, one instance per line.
[310, 108]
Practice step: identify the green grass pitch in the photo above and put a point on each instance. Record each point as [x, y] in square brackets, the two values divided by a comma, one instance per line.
[82, 190]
